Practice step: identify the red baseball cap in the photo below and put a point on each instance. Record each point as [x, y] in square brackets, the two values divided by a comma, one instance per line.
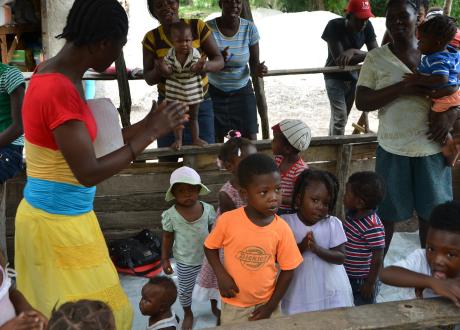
[456, 41]
[360, 8]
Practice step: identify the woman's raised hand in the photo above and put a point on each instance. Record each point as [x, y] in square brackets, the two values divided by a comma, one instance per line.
[166, 117]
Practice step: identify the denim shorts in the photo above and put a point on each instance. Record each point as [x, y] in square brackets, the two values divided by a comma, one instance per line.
[412, 183]
[10, 161]
[359, 300]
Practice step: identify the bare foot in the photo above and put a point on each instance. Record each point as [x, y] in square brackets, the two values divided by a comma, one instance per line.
[176, 145]
[199, 142]
[187, 324]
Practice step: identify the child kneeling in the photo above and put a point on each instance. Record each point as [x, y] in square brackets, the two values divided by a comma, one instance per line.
[254, 240]
[433, 271]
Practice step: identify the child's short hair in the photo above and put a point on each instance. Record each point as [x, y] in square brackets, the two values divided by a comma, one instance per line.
[169, 287]
[446, 217]
[233, 147]
[180, 27]
[369, 186]
[307, 176]
[441, 27]
[255, 164]
[82, 315]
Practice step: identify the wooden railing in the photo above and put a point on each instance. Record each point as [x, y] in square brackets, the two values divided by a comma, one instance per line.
[397, 315]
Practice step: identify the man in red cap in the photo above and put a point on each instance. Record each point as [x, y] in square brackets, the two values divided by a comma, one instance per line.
[345, 36]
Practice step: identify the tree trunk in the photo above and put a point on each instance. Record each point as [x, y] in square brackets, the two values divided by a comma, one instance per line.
[447, 7]
[258, 84]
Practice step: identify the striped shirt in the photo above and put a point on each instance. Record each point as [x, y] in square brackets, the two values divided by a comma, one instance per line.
[235, 75]
[159, 44]
[183, 85]
[363, 236]
[10, 79]
[289, 178]
[445, 63]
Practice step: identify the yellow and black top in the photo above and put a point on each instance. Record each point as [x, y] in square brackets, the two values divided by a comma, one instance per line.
[158, 43]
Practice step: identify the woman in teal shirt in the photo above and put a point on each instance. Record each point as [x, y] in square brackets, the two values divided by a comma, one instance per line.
[231, 90]
[12, 87]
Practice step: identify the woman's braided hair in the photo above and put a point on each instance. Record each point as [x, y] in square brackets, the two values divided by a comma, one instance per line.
[91, 21]
[82, 315]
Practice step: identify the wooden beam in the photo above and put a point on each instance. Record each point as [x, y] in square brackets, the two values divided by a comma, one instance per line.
[258, 84]
[397, 315]
[343, 169]
[123, 91]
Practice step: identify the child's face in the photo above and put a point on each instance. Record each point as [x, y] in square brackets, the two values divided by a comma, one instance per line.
[315, 203]
[443, 253]
[428, 45]
[185, 194]
[182, 41]
[263, 193]
[151, 296]
[351, 201]
[278, 143]
[232, 165]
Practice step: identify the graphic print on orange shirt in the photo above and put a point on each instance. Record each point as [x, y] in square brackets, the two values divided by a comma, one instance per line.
[253, 257]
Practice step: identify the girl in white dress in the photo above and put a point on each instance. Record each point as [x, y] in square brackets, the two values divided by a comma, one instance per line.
[320, 282]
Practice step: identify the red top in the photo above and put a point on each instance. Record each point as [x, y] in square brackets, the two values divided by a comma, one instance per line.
[51, 100]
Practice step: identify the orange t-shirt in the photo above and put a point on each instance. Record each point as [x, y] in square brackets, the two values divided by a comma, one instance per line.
[251, 253]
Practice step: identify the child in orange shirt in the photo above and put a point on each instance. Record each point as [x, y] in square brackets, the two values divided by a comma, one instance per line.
[254, 240]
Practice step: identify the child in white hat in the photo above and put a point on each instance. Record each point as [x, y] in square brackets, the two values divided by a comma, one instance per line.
[186, 224]
[290, 138]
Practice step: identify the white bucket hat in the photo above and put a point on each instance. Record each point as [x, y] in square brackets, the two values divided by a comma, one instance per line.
[186, 175]
[296, 132]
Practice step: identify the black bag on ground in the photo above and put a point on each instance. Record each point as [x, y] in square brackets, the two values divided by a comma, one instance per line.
[139, 255]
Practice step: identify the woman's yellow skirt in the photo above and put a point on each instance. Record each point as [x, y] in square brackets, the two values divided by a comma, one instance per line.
[62, 258]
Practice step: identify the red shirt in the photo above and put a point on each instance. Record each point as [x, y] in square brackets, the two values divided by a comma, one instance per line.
[51, 100]
[289, 178]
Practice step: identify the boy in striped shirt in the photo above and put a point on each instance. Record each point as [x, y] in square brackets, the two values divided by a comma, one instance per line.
[290, 138]
[365, 235]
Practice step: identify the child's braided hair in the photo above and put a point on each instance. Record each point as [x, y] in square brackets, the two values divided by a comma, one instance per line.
[307, 176]
[82, 315]
[439, 27]
[91, 21]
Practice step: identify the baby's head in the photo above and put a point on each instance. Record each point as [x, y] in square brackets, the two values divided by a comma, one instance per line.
[443, 241]
[290, 136]
[181, 37]
[234, 150]
[436, 33]
[158, 295]
[260, 183]
[185, 187]
[315, 194]
[82, 315]
[364, 191]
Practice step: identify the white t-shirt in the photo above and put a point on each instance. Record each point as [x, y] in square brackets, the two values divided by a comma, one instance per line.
[403, 123]
[416, 262]
[165, 323]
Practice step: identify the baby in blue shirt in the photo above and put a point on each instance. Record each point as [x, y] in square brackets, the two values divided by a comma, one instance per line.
[439, 70]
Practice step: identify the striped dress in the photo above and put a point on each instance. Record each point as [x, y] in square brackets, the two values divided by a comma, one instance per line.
[289, 178]
[184, 85]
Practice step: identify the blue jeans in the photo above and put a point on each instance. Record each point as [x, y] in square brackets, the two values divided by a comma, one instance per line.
[10, 161]
[341, 94]
[359, 300]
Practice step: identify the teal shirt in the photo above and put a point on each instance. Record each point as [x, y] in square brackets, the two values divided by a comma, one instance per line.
[10, 79]
[188, 236]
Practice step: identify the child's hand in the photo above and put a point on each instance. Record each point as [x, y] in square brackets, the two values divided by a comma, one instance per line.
[167, 269]
[262, 312]
[261, 70]
[449, 288]
[26, 321]
[200, 66]
[164, 68]
[367, 289]
[227, 286]
[311, 242]
[307, 242]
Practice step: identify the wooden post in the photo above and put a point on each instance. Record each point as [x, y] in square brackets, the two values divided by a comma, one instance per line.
[258, 84]
[123, 90]
[344, 153]
[447, 7]
[363, 122]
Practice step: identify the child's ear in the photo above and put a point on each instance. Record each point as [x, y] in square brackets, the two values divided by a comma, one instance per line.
[243, 193]
[361, 204]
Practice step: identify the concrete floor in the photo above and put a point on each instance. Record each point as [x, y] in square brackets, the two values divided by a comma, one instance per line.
[402, 245]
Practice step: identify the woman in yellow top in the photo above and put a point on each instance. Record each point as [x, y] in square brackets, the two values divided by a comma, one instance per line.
[156, 44]
[61, 254]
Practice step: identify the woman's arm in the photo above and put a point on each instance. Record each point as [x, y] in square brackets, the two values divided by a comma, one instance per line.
[215, 61]
[76, 146]
[15, 129]
[152, 75]
[257, 68]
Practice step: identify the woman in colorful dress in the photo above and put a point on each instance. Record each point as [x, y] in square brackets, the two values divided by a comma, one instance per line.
[61, 253]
